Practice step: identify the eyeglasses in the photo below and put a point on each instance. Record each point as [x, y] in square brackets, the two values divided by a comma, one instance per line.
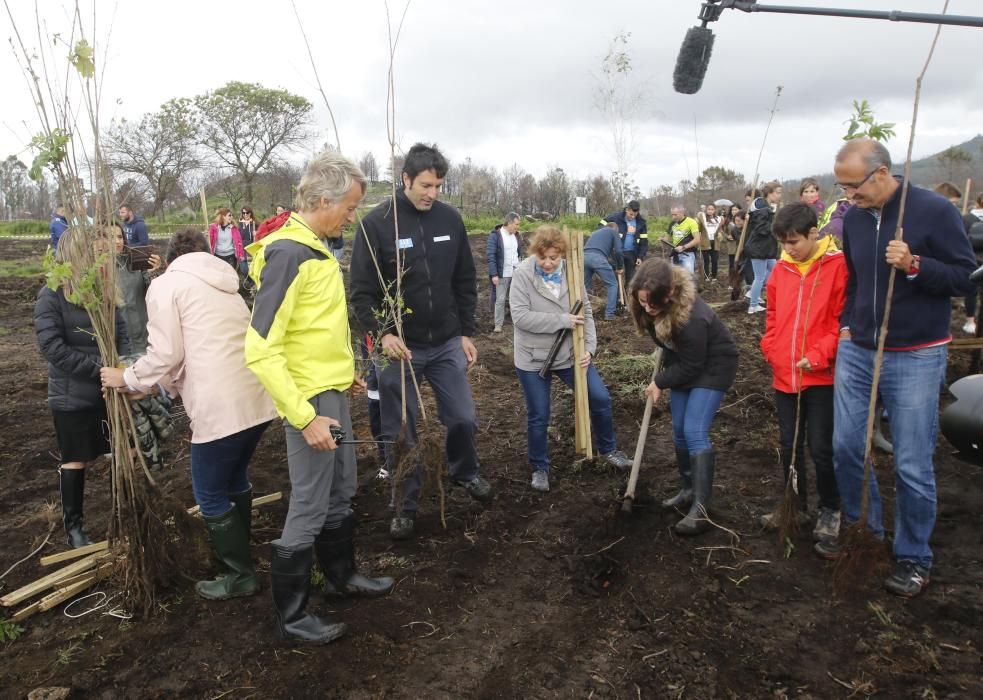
[246, 212]
[846, 186]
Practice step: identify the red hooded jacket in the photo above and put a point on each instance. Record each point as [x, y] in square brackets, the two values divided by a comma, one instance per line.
[792, 318]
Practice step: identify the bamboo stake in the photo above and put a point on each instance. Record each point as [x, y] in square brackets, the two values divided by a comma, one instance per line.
[75, 553]
[969, 185]
[204, 205]
[52, 579]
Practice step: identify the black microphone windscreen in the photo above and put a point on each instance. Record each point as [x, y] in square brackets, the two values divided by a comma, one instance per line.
[693, 59]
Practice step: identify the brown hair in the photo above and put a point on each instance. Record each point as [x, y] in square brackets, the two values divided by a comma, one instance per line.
[806, 184]
[979, 200]
[770, 187]
[948, 190]
[656, 278]
[220, 214]
[546, 237]
[187, 240]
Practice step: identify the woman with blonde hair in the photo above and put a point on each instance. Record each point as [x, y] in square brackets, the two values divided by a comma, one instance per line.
[68, 343]
[700, 363]
[540, 303]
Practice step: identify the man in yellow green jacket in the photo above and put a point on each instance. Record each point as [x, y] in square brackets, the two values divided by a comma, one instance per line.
[299, 346]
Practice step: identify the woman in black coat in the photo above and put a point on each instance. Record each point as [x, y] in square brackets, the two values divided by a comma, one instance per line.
[700, 363]
[67, 342]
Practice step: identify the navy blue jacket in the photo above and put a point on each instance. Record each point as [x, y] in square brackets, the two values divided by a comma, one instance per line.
[58, 226]
[496, 252]
[921, 308]
[641, 231]
[606, 242]
[136, 231]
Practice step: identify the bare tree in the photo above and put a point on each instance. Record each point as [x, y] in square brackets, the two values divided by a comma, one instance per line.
[245, 126]
[620, 101]
[161, 147]
[369, 167]
[554, 192]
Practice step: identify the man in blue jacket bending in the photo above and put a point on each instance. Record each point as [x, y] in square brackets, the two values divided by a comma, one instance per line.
[932, 263]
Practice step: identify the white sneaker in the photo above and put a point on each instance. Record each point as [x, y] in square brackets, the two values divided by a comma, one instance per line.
[969, 327]
[747, 294]
[756, 309]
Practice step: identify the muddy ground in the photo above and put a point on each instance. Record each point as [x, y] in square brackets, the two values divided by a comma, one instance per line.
[532, 596]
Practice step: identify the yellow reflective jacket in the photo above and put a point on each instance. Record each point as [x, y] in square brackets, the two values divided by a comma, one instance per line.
[298, 343]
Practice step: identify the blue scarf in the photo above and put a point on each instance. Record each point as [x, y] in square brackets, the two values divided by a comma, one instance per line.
[554, 277]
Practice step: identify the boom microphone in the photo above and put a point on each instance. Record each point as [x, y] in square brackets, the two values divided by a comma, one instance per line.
[693, 59]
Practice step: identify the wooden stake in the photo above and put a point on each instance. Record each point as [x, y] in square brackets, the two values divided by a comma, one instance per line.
[75, 553]
[969, 185]
[204, 206]
[52, 579]
[260, 501]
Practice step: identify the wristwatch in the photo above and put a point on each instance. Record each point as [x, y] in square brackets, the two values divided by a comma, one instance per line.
[916, 264]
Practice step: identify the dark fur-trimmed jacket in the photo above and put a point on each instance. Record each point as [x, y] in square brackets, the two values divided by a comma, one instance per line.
[67, 342]
[698, 350]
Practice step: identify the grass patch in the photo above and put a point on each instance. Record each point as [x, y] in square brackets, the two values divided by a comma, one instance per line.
[31, 267]
[22, 228]
[628, 375]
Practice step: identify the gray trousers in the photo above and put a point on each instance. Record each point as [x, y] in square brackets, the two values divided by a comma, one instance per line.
[322, 483]
[445, 369]
[501, 297]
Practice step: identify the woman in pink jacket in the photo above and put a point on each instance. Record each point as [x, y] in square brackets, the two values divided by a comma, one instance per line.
[224, 239]
[196, 348]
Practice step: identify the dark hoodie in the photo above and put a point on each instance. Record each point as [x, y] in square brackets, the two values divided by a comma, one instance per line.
[136, 231]
[438, 285]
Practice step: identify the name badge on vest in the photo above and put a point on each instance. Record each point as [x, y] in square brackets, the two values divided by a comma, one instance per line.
[405, 243]
[441, 239]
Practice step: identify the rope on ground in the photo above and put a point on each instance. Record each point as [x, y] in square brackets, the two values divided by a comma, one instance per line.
[21, 561]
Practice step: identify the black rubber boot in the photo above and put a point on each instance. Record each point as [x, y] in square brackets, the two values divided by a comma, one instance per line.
[72, 485]
[684, 498]
[230, 539]
[335, 546]
[290, 578]
[695, 521]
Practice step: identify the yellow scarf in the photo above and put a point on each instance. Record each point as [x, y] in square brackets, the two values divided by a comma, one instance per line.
[823, 246]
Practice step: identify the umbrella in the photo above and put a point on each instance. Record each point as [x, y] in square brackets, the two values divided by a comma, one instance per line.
[723, 203]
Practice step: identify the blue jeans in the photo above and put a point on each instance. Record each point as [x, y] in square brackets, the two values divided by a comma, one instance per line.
[909, 388]
[537, 393]
[762, 271]
[687, 261]
[219, 469]
[596, 263]
[692, 413]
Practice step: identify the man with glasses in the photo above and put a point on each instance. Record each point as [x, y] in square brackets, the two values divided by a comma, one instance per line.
[932, 263]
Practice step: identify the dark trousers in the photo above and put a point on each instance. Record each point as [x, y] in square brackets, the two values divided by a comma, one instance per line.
[445, 369]
[710, 261]
[816, 426]
[220, 469]
[631, 260]
[730, 261]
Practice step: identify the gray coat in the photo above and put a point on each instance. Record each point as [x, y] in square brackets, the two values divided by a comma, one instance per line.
[537, 315]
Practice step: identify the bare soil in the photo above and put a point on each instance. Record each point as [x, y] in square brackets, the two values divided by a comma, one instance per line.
[555, 595]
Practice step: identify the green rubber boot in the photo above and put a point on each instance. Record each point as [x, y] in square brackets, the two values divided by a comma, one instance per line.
[230, 539]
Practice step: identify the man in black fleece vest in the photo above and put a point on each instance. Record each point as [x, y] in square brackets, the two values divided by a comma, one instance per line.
[439, 295]
[932, 263]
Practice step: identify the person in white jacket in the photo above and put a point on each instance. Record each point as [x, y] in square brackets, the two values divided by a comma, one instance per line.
[196, 340]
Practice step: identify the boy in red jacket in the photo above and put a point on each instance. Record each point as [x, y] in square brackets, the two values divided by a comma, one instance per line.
[806, 293]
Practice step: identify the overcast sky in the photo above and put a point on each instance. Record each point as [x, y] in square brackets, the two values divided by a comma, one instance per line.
[512, 81]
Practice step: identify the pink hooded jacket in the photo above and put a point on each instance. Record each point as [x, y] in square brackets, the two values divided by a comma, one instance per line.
[196, 347]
